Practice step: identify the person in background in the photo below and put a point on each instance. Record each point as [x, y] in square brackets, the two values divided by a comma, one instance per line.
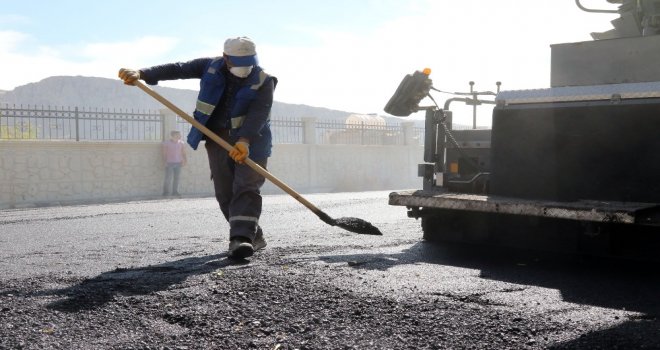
[174, 156]
[234, 102]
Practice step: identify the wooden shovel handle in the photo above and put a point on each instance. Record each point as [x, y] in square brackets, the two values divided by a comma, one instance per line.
[224, 144]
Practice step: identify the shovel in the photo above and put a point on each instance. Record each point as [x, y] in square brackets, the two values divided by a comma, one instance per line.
[348, 223]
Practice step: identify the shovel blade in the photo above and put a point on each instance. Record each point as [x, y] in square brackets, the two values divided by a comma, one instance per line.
[358, 226]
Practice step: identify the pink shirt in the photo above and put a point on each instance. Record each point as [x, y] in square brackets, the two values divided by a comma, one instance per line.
[173, 151]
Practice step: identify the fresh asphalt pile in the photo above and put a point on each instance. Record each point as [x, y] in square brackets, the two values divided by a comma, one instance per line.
[272, 302]
[153, 274]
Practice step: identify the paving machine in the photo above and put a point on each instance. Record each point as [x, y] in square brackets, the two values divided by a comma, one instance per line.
[573, 168]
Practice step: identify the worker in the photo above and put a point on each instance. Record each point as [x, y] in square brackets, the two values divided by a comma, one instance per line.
[174, 158]
[234, 101]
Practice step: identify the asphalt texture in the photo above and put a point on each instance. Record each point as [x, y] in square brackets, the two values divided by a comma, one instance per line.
[154, 274]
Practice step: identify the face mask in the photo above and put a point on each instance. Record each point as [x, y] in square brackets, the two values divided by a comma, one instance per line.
[241, 72]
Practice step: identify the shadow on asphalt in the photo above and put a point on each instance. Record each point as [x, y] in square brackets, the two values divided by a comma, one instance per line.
[95, 292]
[636, 334]
[609, 283]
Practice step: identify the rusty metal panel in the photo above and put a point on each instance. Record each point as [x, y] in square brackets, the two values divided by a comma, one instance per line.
[595, 211]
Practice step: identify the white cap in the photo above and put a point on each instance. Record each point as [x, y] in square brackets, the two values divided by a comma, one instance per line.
[241, 46]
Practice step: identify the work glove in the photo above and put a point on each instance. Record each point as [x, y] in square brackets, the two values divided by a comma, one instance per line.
[129, 76]
[240, 152]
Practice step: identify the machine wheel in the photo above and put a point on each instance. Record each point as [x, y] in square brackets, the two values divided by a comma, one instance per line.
[431, 227]
[448, 225]
[541, 234]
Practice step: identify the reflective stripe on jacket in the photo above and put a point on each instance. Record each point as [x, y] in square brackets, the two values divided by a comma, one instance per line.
[212, 86]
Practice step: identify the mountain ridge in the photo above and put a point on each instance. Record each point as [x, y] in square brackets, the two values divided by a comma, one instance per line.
[104, 93]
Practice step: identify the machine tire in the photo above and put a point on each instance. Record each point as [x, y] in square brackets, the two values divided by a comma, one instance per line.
[431, 229]
[457, 226]
[443, 226]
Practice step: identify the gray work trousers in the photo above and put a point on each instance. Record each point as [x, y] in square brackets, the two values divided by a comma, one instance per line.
[238, 191]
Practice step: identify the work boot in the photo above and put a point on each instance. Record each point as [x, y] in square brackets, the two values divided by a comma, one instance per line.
[240, 248]
[259, 243]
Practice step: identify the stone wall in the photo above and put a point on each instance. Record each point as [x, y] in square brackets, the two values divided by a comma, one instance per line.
[34, 173]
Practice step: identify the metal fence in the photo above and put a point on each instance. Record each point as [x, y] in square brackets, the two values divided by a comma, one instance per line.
[287, 130]
[86, 124]
[182, 126]
[337, 132]
[60, 123]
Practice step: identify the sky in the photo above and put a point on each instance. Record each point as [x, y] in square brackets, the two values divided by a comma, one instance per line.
[348, 55]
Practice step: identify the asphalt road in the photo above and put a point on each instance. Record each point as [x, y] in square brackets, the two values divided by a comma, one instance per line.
[153, 274]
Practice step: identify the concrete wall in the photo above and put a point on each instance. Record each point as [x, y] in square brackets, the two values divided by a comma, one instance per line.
[36, 173]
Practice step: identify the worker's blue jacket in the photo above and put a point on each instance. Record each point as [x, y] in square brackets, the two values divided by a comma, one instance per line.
[246, 112]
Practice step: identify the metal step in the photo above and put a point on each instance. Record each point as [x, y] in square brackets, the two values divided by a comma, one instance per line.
[582, 210]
